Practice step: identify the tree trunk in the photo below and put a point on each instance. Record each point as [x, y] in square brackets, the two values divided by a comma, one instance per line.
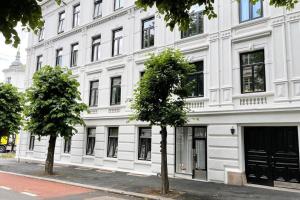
[164, 162]
[50, 156]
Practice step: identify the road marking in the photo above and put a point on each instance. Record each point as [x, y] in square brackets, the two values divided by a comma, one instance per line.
[29, 194]
[5, 188]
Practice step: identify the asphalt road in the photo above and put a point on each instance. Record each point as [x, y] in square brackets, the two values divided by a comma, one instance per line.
[14, 187]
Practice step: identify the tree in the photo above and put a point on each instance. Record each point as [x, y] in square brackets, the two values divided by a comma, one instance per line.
[177, 11]
[53, 107]
[10, 109]
[159, 98]
[28, 13]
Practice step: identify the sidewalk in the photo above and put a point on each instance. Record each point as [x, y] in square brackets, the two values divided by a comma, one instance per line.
[145, 185]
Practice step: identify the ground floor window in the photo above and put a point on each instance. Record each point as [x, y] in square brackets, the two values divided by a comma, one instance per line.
[145, 144]
[91, 139]
[67, 145]
[31, 142]
[112, 148]
[191, 151]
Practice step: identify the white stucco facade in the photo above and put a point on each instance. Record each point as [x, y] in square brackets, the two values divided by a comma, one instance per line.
[222, 109]
[15, 73]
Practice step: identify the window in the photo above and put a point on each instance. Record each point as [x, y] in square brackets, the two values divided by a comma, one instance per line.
[58, 61]
[39, 62]
[91, 139]
[118, 4]
[112, 149]
[250, 11]
[67, 145]
[148, 33]
[253, 72]
[8, 80]
[31, 142]
[117, 42]
[61, 19]
[76, 15]
[144, 144]
[196, 25]
[94, 93]
[74, 54]
[197, 77]
[115, 93]
[96, 48]
[97, 8]
[41, 34]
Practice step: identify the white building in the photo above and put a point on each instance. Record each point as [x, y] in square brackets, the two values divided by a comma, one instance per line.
[245, 113]
[15, 73]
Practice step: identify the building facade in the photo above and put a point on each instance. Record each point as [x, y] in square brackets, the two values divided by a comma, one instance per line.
[15, 73]
[244, 117]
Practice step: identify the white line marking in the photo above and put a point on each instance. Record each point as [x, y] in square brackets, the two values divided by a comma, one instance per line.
[5, 188]
[29, 194]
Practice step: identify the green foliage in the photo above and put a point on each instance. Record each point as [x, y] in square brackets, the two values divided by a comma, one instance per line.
[53, 103]
[159, 97]
[10, 109]
[177, 11]
[27, 12]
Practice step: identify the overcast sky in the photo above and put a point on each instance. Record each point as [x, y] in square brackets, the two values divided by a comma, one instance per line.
[8, 52]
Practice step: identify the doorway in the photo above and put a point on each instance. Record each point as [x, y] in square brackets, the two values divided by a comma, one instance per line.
[191, 151]
[271, 155]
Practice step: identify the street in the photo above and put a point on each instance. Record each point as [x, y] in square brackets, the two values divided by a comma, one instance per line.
[14, 187]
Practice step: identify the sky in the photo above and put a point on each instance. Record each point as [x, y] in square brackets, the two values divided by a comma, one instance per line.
[8, 52]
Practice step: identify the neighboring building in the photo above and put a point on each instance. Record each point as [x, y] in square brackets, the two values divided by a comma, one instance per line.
[15, 74]
[244, 120]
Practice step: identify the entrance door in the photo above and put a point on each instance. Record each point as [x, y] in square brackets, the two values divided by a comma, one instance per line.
[271, 154]
[199, 153]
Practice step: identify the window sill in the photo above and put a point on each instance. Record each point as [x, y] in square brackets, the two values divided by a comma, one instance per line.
[97, 17]
[191, 38]
[254, 94]
[66, 154]
[251, 22]
[143, 162]
[145, 50]
[110, 159]
[197, 98]
[89, 156]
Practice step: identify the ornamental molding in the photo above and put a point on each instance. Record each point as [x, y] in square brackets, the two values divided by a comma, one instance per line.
[108, 18]
[213, 37]
[252, 36]
[278, 21]
[294, 17]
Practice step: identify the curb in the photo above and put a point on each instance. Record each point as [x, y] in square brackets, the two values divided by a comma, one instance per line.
[134, 194]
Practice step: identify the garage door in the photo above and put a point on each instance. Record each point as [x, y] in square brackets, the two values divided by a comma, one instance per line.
[271, 154]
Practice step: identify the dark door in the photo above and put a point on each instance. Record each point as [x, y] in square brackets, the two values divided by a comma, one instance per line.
[271, 154]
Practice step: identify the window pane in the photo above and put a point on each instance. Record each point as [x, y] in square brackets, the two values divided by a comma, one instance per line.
[244, 10]
[112, 149]
[197, 77]
[259, 78]
[256, 10]
[98, 8]
[184, 153]
[247, 79]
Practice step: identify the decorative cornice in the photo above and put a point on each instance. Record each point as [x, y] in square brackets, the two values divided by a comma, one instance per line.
[278, 21]
[213, 37]
[195, 49]
[115, 67]
[108, 18]
[251, 36]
